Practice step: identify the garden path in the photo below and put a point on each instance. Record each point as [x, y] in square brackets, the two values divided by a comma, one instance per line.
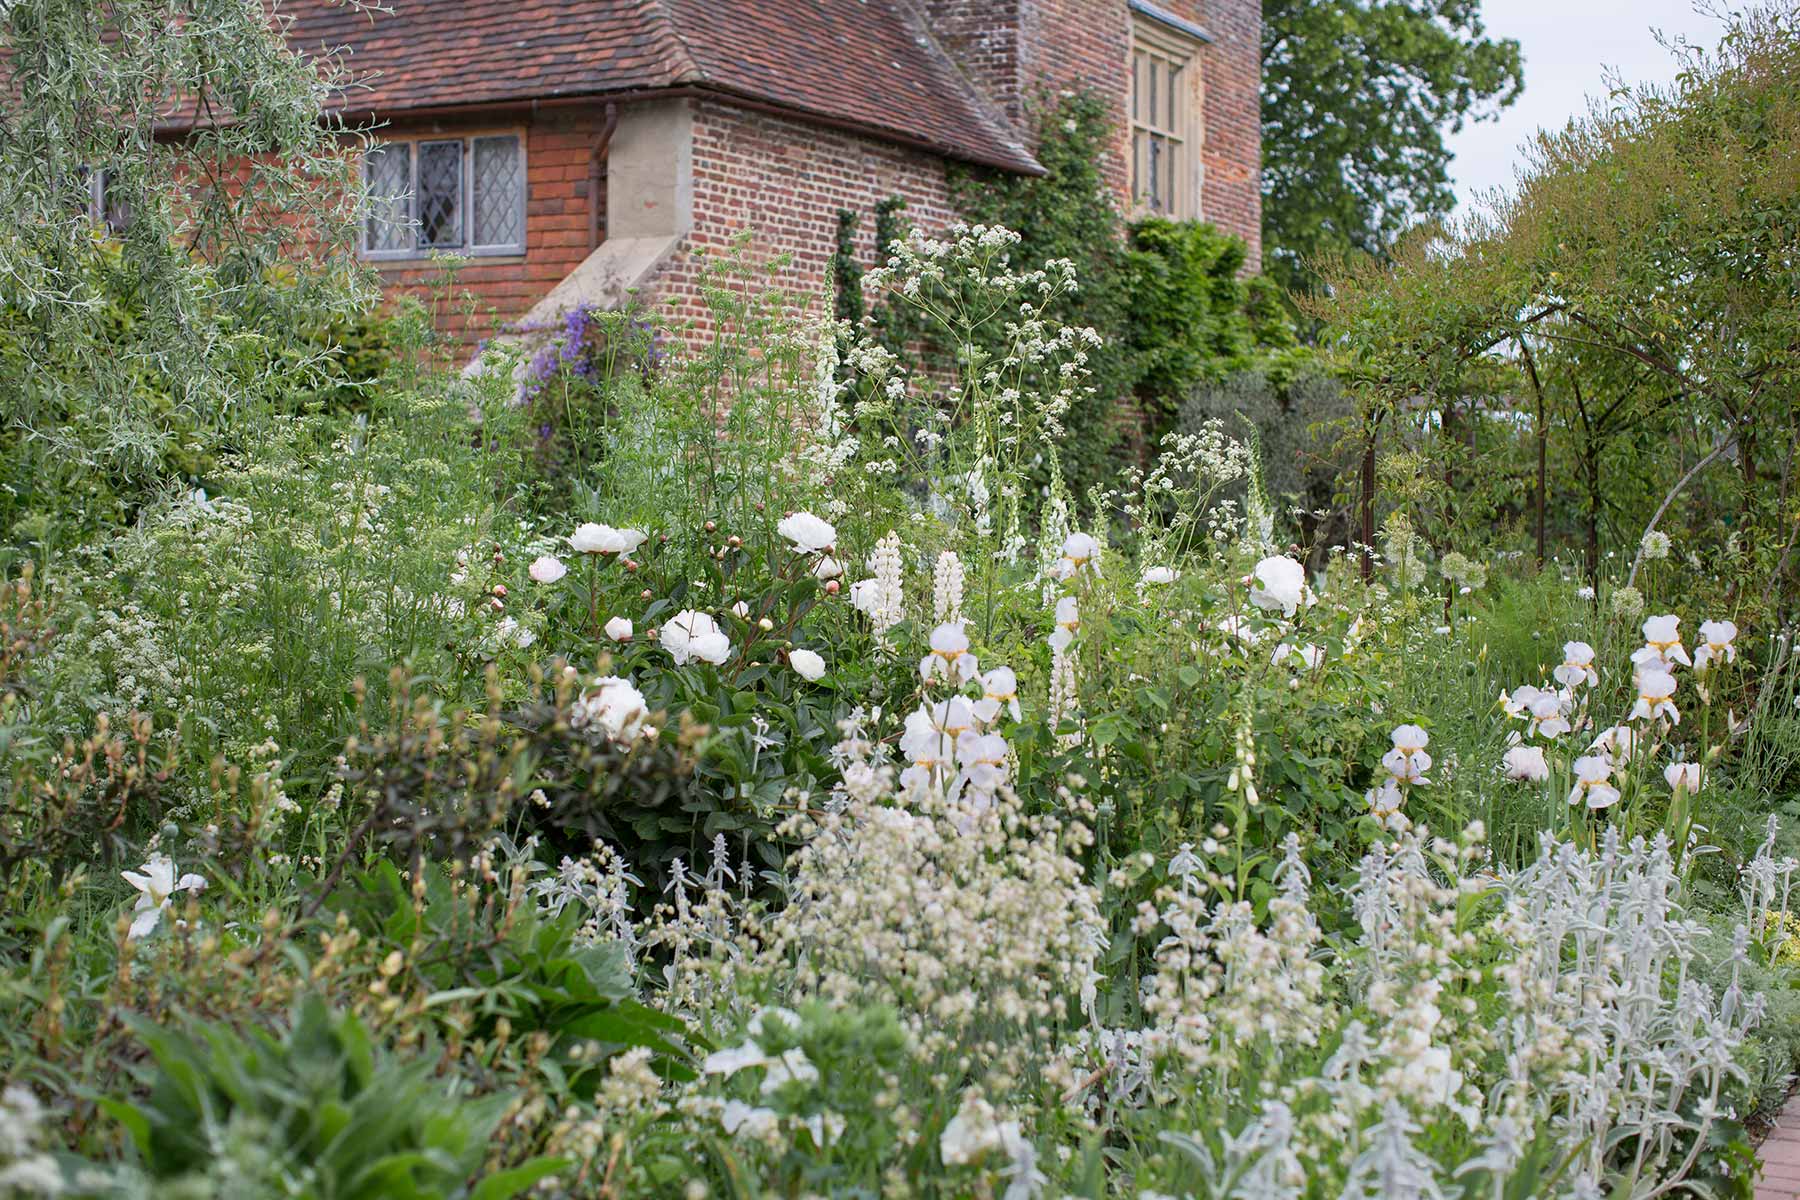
[1779, 1178]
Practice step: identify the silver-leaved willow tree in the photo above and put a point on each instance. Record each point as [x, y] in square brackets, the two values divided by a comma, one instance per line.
[174, 230]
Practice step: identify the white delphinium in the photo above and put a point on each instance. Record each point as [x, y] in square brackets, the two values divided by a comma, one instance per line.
[947, 588]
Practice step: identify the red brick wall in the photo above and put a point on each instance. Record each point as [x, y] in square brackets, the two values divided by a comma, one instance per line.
[1011, 47]
[557, 149]
[784, 182]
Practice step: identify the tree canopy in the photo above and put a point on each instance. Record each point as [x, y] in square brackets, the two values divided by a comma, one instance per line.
[1357, 97]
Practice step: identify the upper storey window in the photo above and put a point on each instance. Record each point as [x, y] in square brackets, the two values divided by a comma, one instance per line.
[1166, 127]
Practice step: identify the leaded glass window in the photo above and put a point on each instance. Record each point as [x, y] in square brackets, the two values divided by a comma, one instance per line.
[387, 178]
[497, 178]
[461, 194]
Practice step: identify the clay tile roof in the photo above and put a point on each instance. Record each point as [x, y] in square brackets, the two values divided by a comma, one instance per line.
[868, 64]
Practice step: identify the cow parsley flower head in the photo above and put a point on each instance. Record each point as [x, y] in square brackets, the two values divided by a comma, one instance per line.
[808, 534]
[690, 635]
[156, 885]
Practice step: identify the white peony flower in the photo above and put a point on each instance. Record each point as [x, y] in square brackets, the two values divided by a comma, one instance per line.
[604, 539]
[156, 887]
[827, 568]
[619, 629]
[1279, 584]
[690, 635]
[613, 706]
[1159, 575]
[806, 664]
[547, 568]
[807, 533]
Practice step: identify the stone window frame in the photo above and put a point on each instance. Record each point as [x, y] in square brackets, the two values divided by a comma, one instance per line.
[465, 198]
[1175, 132]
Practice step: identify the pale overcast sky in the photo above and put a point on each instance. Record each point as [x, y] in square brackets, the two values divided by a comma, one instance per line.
[1569, 45]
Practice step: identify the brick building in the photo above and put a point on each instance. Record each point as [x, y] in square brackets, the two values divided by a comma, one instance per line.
[573, 152]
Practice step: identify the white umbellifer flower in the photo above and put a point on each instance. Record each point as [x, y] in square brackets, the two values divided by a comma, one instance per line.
[949, 655]
[1279, 585]
[1584, 592]
[547, 568]
[1577, 665]
[1526, 764]
[1662, 645]
[156, 887]
[619, 629]
[1158, 575]
[1068, 620]
[1716, 638]
[827, 568]
[1591, 787]
[591, 538]
[1655, 544]
[1000, 689]
[807, 533]
[613, 706]
[808, 665]
[1683, 777]
[1656, 697]
[690, 634]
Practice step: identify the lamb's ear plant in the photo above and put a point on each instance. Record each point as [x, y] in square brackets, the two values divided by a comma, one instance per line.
[319, 1107]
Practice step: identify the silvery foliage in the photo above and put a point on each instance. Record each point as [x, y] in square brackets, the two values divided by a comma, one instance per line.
[1610, 1051]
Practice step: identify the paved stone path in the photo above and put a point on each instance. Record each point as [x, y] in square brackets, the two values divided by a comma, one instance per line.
[1780, 1152]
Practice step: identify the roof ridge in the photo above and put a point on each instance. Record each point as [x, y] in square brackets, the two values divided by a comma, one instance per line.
[684, 67]
[983, 104]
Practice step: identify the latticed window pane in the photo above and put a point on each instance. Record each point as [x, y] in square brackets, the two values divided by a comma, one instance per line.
[387, 174]
[499, 201]
[440, 206]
